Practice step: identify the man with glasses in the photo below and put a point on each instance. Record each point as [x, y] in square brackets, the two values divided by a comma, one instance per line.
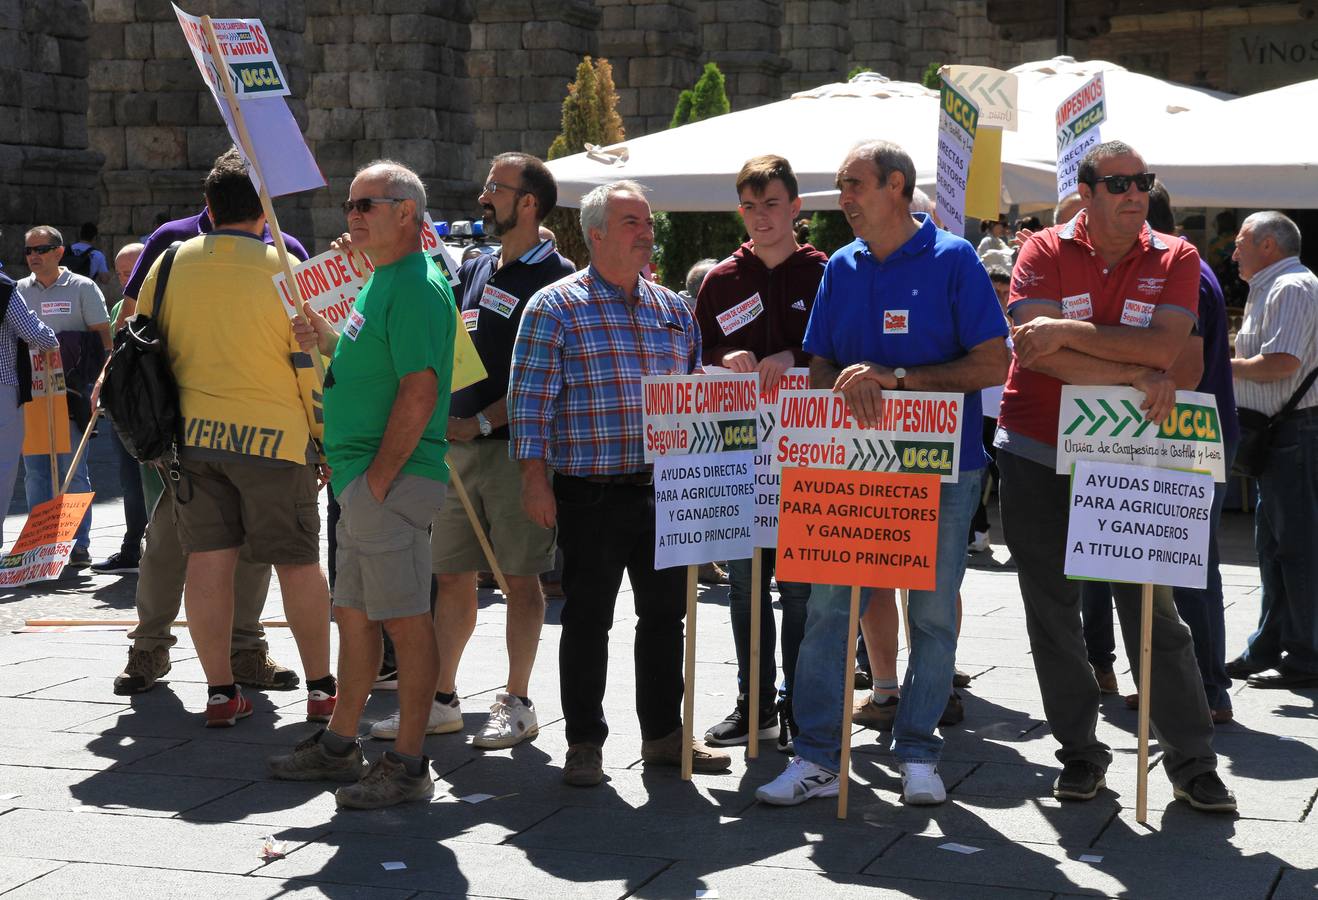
[518, 194]
[1099, 300]
[74, 308]
[386, 413]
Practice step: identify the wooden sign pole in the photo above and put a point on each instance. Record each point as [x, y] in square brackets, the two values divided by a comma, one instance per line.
[689, 695]
[1146, 655]
[848, 698]
[753, 689]
[49, 356]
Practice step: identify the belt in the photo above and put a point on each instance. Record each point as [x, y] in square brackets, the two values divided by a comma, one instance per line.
[634, 478]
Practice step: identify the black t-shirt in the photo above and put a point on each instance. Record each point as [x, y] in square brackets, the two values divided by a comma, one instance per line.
[491, 305]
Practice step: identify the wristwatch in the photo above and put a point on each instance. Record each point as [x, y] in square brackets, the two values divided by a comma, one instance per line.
[900, 374]
[484, 424]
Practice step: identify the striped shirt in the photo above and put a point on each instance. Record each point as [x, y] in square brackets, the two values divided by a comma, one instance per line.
[1281, 316]
[20, 324]
[574, 392]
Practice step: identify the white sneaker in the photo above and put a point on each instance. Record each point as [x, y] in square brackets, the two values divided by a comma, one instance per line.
[511, 721]
[800, 781]
[980, 543]
[444, 718]
[921, 785]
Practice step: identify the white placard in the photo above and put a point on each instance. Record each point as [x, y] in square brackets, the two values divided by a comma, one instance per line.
[1078, 119]
[920, 432]
[329, 282]
[703, 508]
[439, 251]
[247, 51]
[993, 91]
[1138, 525]
[1106, 423]
[700, 414]
[767, 477]
[958, 119]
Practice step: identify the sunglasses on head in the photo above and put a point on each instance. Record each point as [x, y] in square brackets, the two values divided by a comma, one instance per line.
[1119, 184]
[43, 249]
[365, 204]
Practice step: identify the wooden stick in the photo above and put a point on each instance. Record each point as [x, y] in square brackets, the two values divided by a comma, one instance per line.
[753, 691]
[82, 448]
[848, 699]
[50, 419]
[1146, 656]
[905, 595]
[267, 205]
[480, 532]
[689, 694]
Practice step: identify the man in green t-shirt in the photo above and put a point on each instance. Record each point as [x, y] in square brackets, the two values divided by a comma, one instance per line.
[386, 414]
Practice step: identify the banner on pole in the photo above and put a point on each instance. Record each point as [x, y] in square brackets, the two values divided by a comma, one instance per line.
[686, 414]
[958, 118]
[872, 529]
[1078, 119]
[702, 508]
[43, 547]
[36, 415]
[920, 432]
[1138, 525]
[248, 54]
[1106, 423]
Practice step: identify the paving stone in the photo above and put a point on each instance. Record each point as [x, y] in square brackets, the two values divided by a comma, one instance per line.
[57, 750]
[119, 792]
[15, 871]
[1296, 885]
[160, 713]
[1180, 830]
[132, 883]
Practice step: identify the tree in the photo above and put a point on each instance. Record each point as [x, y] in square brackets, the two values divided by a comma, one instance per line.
[931, 79]
[682, 239]
[830, 232]
[590, 115]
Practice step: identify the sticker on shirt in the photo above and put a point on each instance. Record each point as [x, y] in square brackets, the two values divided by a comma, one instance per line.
[1150, 286]
[1077, 306]
[896, 321]
[469, 317]
[1137, 313]
[354, 327]
[56, 307]
[497, 301]
[741, 315]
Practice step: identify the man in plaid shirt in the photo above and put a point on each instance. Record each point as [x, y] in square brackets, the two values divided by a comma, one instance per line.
[574, 406]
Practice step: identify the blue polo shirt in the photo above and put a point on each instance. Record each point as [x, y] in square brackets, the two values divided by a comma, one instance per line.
[929, 302]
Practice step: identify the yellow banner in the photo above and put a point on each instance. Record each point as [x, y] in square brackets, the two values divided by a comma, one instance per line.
[984, 187]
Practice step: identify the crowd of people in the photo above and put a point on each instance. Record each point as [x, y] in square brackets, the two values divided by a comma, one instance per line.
[548, 452]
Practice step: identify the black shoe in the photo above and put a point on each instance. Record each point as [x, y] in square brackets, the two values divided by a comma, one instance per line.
[1243, 668]
[79, 559]
[863, 681]
[1080, 780]
[1285, 679]
[387, 680]
[735, 729]
[117, 564]
[1206, 792]
[954, 712]
[960, 679]
[787, 730]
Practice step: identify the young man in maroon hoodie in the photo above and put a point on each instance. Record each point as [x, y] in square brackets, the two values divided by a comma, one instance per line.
[753, 308]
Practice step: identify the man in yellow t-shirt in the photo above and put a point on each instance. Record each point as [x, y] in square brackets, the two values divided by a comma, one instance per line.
[250, 445]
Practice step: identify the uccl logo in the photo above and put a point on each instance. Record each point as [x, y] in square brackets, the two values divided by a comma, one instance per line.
[896, 321]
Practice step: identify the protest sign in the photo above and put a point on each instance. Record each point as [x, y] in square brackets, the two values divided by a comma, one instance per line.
[958, 118]
[1140, 525]
[247, 52]
[38, 414]
[43, 547]
[700, 413]
[993, 92]
[767, 476]
[1106, 423]
[919, 432]
[702, 508]
[439, 251]
[871, 529]
[1078, 119]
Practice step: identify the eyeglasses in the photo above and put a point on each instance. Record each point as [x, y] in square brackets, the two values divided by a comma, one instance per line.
[1119, 184]
[365, 204]
[43, 249]
[493, 188]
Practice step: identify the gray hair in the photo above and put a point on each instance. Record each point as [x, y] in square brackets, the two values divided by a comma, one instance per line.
[922, 203]
[50, 232]
[400, 182]
[695, 276]
[594, 206]
[888, 157]
[1280, 228]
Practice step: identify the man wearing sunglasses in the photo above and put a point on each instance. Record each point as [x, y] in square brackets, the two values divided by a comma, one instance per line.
[1099, 300]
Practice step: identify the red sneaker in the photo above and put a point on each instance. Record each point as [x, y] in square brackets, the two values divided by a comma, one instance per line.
[221, 712]
[320, 706]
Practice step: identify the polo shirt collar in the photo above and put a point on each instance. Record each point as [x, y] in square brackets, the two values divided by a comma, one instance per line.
[64, 279]
[539, 253]
[1077, 229]
[922, 240]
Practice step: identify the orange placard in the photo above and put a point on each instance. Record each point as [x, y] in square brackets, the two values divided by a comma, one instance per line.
[872, 529]
[36, 433]
[43, 546]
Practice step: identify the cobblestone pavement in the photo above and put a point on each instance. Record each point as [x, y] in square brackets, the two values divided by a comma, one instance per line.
[111, 797]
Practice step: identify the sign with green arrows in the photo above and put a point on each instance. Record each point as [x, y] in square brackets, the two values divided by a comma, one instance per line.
[700, 413]
[1106, 423]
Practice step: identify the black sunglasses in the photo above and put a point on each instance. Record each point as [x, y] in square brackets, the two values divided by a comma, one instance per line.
[1119, 184]
[43, 249]
[364, 205]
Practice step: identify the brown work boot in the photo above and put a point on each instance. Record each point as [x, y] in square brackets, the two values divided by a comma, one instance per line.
[386, 783]
[712, 573]
[144, 669]
[584, 766]
[667, 751]
[878, 716]
[255, 669]
[1107, 681]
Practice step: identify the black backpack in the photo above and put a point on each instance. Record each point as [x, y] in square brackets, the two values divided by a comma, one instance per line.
[140, 393]
[79, 262]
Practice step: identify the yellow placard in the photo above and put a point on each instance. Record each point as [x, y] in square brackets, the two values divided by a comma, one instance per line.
[467, 366]
[984, 187]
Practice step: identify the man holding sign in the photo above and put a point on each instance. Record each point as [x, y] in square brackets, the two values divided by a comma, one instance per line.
[1099, 300]
[903, 307]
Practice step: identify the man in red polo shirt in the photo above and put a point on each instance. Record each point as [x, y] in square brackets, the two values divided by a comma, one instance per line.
[1099, 300]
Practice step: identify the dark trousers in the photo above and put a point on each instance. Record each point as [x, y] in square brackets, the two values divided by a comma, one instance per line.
[135, 518]
[981, 520]
[1035, 502]
[604, 530]
[794, 597]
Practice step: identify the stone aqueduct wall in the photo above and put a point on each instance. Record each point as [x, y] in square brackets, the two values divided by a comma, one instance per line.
[106, 117]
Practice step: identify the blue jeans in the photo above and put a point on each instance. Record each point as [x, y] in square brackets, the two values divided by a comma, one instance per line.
[794, 598]
[36, 484]
[824, 666]
[1285, 535]
[135, 516]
